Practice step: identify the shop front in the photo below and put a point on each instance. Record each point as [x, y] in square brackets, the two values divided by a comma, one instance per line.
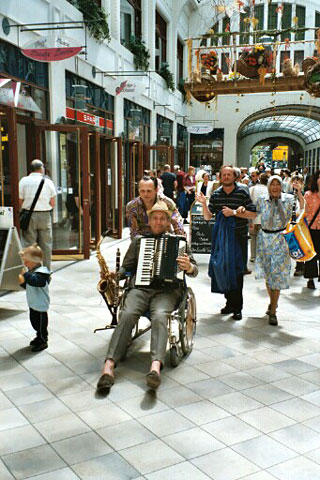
[81, 155]
[88, 104]
[163, 152]
[136, 142]
[207, 149]
[182, 146]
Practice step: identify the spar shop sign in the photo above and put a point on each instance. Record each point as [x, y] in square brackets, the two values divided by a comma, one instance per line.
[51, 48]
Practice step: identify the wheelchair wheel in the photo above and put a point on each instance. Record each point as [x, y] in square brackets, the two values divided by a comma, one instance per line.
[174, 357]
[188, 320]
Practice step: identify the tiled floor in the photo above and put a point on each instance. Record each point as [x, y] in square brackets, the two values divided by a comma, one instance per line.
[244, 405]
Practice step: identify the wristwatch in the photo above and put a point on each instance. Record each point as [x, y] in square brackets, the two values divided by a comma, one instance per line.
[234, 212]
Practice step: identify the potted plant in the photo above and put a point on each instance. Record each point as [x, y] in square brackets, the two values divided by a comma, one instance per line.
[167, 76]
[251, 59]
[94, 17]
[210, 61]
[140, 52]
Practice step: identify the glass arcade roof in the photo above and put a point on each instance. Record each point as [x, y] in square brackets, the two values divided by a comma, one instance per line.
[303, 127]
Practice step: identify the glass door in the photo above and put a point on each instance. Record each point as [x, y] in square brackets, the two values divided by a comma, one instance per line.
[135, 167]
[64, 150]
[5, 177]
[163, 154]
[112, 184]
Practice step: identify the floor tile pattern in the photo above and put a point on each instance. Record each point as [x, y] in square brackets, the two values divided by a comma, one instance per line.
[245, 405]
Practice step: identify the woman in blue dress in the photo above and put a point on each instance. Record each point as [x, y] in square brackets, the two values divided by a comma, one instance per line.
[273, 261]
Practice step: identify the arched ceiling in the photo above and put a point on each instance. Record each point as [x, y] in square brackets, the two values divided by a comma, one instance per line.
[303, 121]
[305, 128]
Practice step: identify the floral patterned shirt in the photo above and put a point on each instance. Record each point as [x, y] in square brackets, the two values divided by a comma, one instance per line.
[263, 207]
[313, 203]
[138, 221]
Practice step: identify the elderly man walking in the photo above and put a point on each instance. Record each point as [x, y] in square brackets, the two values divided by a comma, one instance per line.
[40, 226]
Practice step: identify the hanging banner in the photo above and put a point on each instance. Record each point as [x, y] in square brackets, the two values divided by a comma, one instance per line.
[200, 129]
[127, 88]
[51, 48]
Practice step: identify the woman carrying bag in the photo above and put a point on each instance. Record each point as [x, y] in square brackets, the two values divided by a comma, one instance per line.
[312, 198]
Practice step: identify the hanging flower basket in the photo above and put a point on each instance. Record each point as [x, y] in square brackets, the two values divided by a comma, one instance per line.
[252, 59]
[210, 61]
[312, 80]
[308, 63]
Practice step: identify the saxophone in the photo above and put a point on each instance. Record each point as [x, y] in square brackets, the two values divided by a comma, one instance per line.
[108, 285]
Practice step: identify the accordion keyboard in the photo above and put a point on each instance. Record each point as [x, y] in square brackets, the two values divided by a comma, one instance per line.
[145, 264]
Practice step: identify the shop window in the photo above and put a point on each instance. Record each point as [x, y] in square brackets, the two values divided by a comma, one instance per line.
[225, 63]
[179, 60]
[286, 20]
[161, 41]
[214, 40]
[225, 29]
[244, 27]
[164, 130]
[15, 64]
[298, 57]
[137, 122]
[272, 16]
[97, 101]
[283, 56]
[130, 20]
[301, 15]
[259, 15]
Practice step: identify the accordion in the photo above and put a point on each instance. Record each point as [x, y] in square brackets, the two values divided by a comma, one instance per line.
[158, 260]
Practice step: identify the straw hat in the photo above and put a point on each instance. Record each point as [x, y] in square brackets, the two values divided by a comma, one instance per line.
[160, 206]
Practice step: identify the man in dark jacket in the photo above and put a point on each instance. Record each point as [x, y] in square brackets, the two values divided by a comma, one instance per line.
[232, 200]
[169, 182]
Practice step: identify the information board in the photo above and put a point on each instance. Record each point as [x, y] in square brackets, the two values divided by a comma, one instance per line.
[200, 230]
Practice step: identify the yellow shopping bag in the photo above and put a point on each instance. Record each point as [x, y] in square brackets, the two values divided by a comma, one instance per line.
[299, 240]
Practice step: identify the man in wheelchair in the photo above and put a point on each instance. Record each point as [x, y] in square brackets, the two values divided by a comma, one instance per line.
[159, 299]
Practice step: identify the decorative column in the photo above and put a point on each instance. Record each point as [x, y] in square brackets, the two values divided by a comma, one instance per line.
[115, 20]
[149, 28]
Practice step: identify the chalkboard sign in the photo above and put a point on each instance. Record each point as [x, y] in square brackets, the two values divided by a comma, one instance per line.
[200, 230]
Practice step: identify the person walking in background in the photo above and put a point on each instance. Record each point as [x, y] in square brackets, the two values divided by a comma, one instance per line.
[205, 185]
[40, 226]
[273, 261]
[189, 184]
[254, 178]
[306, 178]
[35, 278]
[169, 182]
[180, 193]
[312, 198]
[256, 191]
[234, 201]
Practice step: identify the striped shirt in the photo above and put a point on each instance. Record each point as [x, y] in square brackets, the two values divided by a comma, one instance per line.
[237, 198]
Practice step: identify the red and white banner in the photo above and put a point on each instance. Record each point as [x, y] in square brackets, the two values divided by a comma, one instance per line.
[88, 118]
[51, 48]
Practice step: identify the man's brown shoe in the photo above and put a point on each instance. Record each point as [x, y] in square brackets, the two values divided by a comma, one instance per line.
[105, 382]
[153, 379]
